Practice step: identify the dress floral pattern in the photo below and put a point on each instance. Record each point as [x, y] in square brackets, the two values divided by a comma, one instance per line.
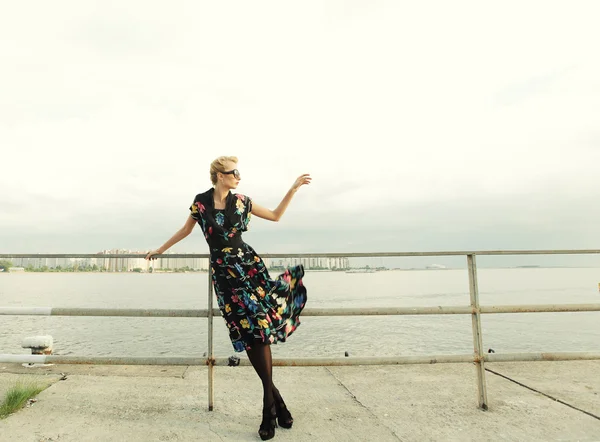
[255, 306]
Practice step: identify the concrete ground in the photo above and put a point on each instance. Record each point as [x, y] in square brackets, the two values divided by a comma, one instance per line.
[556, 401]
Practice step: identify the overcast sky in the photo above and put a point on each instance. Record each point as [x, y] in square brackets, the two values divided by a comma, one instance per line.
[425, 125]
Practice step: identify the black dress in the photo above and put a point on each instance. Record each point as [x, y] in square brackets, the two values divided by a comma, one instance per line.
[255, 306]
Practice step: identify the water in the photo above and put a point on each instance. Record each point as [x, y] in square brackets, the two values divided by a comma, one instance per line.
[317, 336]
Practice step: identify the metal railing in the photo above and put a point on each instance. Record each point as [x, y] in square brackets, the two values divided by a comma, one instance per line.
[474, 309]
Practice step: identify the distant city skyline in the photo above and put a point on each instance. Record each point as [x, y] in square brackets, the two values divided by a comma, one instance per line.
[127, 264]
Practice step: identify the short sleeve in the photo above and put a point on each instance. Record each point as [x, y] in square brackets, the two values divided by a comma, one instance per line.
[248, 211]
[195, 210]
[243, 209]
[248, 205]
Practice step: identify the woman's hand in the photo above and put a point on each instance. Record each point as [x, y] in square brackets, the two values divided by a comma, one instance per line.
[151, 254]
[301, 181]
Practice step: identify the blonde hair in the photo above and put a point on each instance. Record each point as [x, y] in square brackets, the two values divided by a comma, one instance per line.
[218, 165]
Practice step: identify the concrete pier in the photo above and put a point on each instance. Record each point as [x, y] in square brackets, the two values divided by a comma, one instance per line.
[529, 401]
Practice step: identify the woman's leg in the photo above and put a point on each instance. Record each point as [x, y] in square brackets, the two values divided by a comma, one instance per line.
[256, 359]
[284, 417]
[260, 357]
[276, 395]
[262, 361]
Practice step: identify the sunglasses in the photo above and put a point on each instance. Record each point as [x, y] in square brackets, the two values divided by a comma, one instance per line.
[234, 172]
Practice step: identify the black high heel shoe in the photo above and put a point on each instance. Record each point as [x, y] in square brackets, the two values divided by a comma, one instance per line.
[267, 427]
[284, 417]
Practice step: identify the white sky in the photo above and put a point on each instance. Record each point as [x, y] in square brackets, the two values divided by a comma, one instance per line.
[425, 125]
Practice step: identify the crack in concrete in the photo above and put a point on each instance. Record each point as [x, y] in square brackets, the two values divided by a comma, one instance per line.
[544, 394]
[213, 431]
[360, 403]
[185, 372]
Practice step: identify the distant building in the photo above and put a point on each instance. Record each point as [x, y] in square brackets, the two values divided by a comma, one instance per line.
[310, 263]
[435, 267]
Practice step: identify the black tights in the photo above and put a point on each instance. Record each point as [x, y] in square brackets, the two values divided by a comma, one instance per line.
[262, 361]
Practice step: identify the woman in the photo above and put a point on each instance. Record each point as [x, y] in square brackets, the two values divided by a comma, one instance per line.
[258, 310]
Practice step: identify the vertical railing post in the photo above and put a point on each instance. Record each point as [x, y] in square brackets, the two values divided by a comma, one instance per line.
[477, 338]
[210, 361]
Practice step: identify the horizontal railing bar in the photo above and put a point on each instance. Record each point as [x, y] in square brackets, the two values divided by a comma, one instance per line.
[387, 311]
[101, 360]
[157, 313]
[316, 255]
[377, 311]
[540, 308]
[301, 362]
[60, 311]
[26, 311]
[93, 255]
[329, 362]
[550, 356]
[451, 310]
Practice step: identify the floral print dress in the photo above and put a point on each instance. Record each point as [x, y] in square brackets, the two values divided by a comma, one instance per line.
[256, 308]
